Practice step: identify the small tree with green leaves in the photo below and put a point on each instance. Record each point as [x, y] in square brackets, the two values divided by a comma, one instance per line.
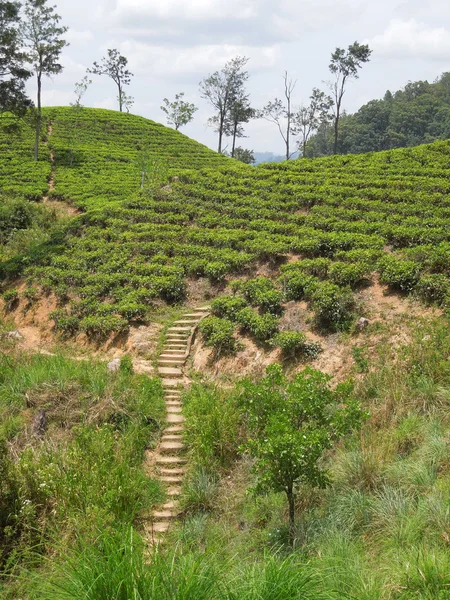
[73, 126]
[178, 112]
[244, 155]
[292, 425]
[44, 42]
[115, 66]
[344, 65]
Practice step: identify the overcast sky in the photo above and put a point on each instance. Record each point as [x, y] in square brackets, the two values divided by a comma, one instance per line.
[172, 44]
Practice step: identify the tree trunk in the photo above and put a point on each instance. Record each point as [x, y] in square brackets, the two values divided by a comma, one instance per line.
[38, 117]
[234, 140]
[291, 500]
[120, 97]
[219, 149]
[336, 126]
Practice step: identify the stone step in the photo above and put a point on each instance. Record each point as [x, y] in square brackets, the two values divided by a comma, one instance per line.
[161, 526]
[171, 460]
[174, 410]
[180, 346]
[170, 383]
[163, 515]
[171, 394]
[181, 329]
[174, 491]
[171, 478]
[170, 505]
[173, 404]
[171, 447]
[174, 429]
[174, 471]
[170, 371]
[175, 418]
[202, 309]
[183, 323]
[173, 354]
[172, 437]
[195, 315]
[171, 362]
[177, 336]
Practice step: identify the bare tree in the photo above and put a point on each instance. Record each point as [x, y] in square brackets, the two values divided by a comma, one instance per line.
[281, 114]
[114, 66]
[344, 65]
[221, 88]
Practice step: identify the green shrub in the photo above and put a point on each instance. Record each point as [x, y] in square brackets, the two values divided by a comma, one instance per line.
[10, 298]
[347, 274]
[218, 333]
[132, 310]
[227, 306]
[333, 306]
[299, 286]
[397, 273]
[31, 294]
[261, 292]
[433, 288]
[65, 322]
[261, 327]
[294, 344]
[102, 326]
[216, 271]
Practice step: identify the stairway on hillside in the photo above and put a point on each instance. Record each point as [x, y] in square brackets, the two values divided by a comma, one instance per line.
[170, 460]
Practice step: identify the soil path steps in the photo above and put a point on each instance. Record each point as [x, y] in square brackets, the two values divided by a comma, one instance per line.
[169, 458]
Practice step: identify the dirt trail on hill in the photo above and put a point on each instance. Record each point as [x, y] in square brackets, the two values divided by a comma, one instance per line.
[62, 208]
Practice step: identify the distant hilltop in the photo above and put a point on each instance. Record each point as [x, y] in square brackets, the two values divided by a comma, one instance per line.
[269, 157]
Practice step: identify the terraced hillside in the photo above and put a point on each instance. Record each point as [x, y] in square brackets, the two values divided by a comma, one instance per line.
[336, 221]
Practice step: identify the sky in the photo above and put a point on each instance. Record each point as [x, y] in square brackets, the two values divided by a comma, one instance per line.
[171, 45]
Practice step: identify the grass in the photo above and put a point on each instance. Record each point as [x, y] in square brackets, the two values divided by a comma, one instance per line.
[83, 472]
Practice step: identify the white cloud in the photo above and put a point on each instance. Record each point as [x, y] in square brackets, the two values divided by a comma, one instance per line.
[407, 39]
[180, 63]
[78, 38]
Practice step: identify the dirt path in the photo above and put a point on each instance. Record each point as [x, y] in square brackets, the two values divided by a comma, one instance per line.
[62, 208]
[168, 461]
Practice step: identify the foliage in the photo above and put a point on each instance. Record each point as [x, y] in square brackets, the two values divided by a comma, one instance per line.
[44, 43]
[292, 424]
[344, 66]
[221, 89]
[401, 274]
[10, 298]
[261, 327]
[114, 66]
[417, 114]
[13, 73]
[244, 155]
[294, 344]
[332, 305]
[219, 334]
[179, 113]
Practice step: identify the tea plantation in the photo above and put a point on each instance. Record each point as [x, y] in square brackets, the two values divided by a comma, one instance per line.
[158, 208]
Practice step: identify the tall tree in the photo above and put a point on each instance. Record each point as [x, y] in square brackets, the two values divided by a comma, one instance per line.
[42, 33]
[309, 118]
[221, 89]
[178, 112]
[281, 114]
[13, 73]
[240, 112]
[114, 66]
[344, 65]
